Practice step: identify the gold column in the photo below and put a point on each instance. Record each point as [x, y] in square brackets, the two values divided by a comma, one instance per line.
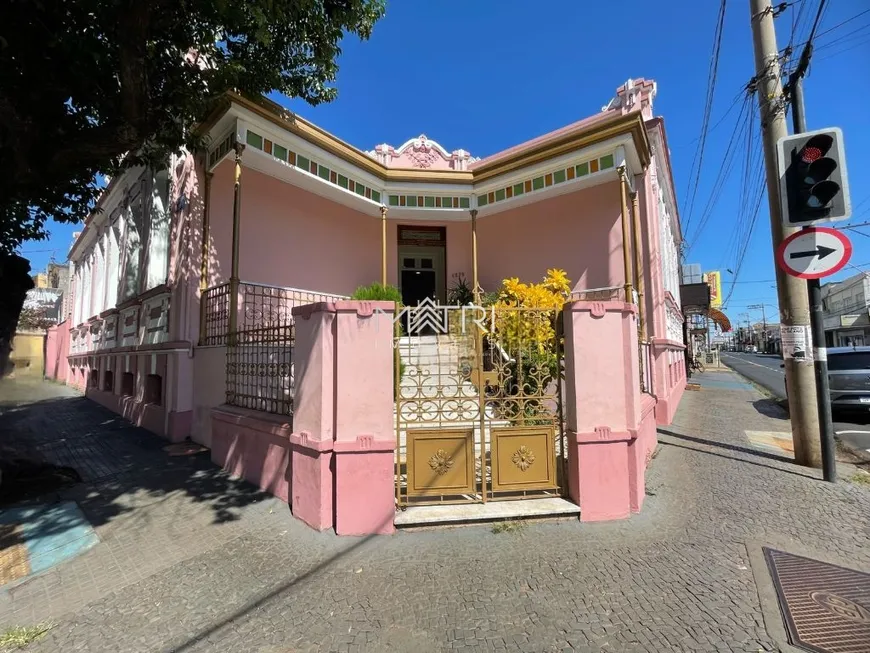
[478, 348]
[474, 277]
[384, 245]
[203, 270]
[638, 265]
[626, 233]
[234, 277]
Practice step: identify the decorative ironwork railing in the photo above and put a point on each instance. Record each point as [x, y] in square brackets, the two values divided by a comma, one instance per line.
[260, 350]
[216, 315]
[260, 305]
[260, 369]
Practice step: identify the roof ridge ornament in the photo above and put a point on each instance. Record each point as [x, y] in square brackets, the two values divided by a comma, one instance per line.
[634, 93]
[422, 152]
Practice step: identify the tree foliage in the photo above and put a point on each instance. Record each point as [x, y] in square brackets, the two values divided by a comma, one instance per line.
[90, 86]
[35, 319]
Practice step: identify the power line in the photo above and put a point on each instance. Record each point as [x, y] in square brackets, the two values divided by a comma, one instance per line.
[855, 230]
[748, 238]
[848, 36]
[747, 189]
[795, 25]
[734, 102]
[744, 121]
[831, 29]
[861, 203]
[747, 217]
[821, 10]
[708, 107]
[831, 55]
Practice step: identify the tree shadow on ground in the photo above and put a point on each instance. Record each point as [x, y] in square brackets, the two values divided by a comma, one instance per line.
[123, 468]
[729, 447]
[770, 408]
[741, 460]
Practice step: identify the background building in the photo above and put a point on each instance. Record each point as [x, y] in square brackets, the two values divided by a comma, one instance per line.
[846, 306]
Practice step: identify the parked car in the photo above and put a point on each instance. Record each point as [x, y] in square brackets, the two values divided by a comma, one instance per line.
[848, 378]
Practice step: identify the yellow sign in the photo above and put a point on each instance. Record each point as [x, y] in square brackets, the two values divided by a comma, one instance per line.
[714, 280]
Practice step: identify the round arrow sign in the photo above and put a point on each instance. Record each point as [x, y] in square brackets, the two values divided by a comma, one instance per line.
[814, 253]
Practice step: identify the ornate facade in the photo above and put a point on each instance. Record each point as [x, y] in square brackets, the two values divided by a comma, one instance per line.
[194, 285]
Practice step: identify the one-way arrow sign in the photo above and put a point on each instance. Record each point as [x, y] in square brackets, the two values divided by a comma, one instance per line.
[821, 251]
[814, 253]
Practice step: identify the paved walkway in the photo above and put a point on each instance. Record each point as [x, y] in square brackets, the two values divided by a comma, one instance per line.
[190, 561]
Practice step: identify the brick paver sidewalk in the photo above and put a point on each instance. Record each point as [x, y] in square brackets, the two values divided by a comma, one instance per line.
[174, 573]
[149, 510]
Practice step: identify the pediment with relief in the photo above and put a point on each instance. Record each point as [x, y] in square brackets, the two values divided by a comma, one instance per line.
[423, 154]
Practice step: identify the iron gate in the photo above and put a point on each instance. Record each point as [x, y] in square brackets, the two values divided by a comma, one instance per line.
[478, 404]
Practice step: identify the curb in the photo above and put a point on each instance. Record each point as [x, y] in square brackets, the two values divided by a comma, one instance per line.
[860, 454]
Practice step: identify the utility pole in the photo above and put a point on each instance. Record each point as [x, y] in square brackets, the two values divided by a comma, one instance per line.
[814, 293]
[763, 324]
[794, 308]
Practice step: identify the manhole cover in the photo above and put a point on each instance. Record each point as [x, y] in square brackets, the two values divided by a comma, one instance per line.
[826, 608]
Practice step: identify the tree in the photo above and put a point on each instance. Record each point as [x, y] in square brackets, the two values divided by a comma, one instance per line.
[88, 87]
[35, 319]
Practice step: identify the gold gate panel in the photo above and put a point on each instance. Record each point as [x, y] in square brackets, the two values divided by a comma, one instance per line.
[440, 462]
[478, 404]
[523, 458]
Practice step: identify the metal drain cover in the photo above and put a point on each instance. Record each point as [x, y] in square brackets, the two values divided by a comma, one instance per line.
[826, 608]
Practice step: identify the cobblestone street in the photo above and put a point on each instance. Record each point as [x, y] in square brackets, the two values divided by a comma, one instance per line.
[190, 560]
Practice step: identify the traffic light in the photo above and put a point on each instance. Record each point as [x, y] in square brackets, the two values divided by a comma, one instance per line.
[813, 183]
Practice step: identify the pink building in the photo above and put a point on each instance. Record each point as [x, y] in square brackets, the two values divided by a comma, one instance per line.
[210, 301]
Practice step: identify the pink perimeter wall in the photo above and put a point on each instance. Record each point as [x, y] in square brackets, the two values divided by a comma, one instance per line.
[579, 232]
[56, 352]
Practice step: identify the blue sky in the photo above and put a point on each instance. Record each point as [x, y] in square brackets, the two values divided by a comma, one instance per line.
[488, 74]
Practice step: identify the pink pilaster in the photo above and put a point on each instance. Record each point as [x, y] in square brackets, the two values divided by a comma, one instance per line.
[364, 429]
[313, 419]
[603, 409]
[344, 440]
[311, 480]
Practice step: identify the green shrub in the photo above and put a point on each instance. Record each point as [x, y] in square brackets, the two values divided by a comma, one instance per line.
[378, 292]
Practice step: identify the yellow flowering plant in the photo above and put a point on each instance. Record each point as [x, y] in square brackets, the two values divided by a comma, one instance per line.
[525, 312]
[524, 326]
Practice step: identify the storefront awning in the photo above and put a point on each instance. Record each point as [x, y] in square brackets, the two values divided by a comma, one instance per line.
[720, 319]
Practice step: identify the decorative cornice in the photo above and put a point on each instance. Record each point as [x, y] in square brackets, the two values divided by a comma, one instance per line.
[546, 180]
[313, 134]
[631, 124]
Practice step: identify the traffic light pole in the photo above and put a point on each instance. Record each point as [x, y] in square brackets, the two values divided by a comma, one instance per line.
[794, 310]
[814, 294]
